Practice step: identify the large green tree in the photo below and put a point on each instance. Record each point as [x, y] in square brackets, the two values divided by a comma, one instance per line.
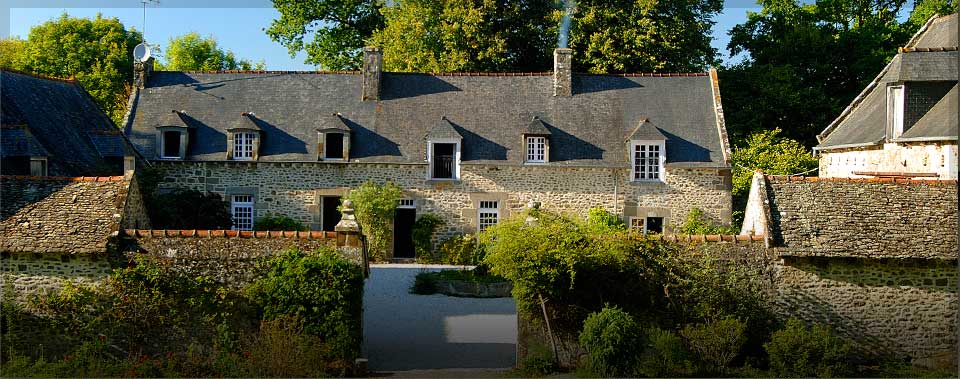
[194, 52]
[97, 52]
[11, 52]
[331, 32]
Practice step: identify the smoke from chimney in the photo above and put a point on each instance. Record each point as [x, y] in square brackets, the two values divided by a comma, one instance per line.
[564, 36]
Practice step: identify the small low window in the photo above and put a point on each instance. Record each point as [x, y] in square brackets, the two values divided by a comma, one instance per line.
[654, 225]
[171, 145]
[637, 224]
[536, 149]
[333, 146]
[243, 146]
[241, 208]
[407, 203]
[488, 214]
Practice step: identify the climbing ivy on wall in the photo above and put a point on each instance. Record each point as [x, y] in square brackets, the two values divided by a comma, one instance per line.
[375, 206]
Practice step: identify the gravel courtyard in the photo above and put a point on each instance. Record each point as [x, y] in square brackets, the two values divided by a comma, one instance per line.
[403, 331]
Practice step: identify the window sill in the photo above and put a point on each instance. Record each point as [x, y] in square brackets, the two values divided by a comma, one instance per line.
[646, 182]
[534, 163]
[440, 180]
[171, 158]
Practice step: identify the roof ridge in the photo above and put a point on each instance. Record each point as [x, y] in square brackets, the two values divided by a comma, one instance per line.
[497, 74]
[63, 178]
[71, 79]
[318, 72]
[926, 49]
[787, 178]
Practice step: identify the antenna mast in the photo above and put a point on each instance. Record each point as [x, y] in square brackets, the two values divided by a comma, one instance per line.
[143, 29]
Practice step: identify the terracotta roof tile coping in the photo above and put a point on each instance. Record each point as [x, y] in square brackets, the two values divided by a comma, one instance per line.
[229, 233]
[926, 49]
[628, 75]
[785, 178]
[64, 178]
[706, 237]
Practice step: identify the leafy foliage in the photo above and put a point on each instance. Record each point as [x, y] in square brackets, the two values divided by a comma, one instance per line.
[375, 206]
[698, 223]
[193, 52]
[338, 29]
[799, 351]
[665, 355]
[716, 343]
[461, 250]
[189, 209]
[278, 222]
[600, 220]
[422, 233]
[614, 341]
[323, 290]
[98, 53]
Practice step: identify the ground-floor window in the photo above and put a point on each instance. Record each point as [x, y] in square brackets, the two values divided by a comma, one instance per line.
[241, 208]
[488, 214]
[647, 224]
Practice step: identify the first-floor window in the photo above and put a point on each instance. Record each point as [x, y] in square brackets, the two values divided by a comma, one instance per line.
[171, 145]
[488, 214]
[536, 149]
[243, 146]
[241, 208]
[647, 161]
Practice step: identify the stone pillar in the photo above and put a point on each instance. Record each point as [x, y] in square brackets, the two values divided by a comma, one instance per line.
[141, 71]
[372, 66]
[562, 72]
[350, 242]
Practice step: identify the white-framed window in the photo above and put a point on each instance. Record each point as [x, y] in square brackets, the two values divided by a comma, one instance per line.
[243, 146]
[647, 160]
[407, 203]
[170, 144]
[646, 224]
[241, 208]
[443, 156]
[895, 110]
[488, 214]
[637, 224]
[536, 149]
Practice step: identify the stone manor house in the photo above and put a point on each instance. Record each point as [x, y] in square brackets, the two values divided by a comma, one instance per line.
[471, 148]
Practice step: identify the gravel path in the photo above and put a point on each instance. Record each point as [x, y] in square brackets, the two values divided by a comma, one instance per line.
[403, 331]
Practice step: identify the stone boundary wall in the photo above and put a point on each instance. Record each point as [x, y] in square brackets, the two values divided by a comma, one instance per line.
[905, 308]
[227, 256]
[28, 274]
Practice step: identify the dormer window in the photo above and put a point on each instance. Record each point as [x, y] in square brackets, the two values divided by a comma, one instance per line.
[243, 142]
[38, 166]
[895, 111]
[333, 138]
[173, 135]
[443, 151]
[648, 153]
[536, 142]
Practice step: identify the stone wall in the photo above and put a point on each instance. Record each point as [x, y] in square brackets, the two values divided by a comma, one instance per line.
[295, 189]
[27, 274]
[226, 256]
[135, 211]
[938, 158]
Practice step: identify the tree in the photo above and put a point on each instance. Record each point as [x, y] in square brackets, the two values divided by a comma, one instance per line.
[11, 52]
[193, 52]
[610, 36]
[338, 27]
[98, 53]
[467, 35]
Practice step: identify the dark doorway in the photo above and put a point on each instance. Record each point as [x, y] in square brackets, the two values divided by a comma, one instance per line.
[331, 216]
[443, 160]
[655, 225]
[403, 233]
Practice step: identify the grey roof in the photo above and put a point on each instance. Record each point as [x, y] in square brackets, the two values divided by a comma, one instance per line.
[490, 112]
[333, 122]
[246, 121]
[646, 131]
[18, 142]
[61, 117]
[930, 56]
[173, 119]
[443, 129]
[537, 127]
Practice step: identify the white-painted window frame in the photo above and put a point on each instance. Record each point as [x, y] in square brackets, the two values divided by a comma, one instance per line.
[631, 224]
[896, 108]
[241, 206]
[487, 209]
[456, 158]
[407, 204]
[243, 146]
[661, 160]
[536, 149]
[343, 142]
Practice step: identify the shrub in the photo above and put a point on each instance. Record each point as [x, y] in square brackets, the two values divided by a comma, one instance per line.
[422, 232]
[665, 355]
[599, 219]
[281, 349]
[323, 290]
[538, 362]
[424, 284]
[613, 341]
[189, 209]
[798, 351]
[716, 343]
[460, 250]
[278, 223]
[698, 223]
[375, 206]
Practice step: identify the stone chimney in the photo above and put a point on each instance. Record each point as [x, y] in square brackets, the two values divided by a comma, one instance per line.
[141, 71]
[562, 72]
[372, 67]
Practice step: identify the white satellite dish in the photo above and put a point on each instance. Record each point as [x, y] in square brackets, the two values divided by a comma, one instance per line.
[141, 52]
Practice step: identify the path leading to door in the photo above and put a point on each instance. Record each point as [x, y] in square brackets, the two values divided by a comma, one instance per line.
[403, 331]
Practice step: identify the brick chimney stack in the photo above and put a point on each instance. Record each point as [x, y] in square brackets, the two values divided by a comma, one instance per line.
[372, 67]
[562, 72]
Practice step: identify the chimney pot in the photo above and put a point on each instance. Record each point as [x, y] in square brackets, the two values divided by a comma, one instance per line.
[372, 67]
[562, 72]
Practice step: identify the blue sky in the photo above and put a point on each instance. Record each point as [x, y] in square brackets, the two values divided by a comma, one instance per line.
[237, 25]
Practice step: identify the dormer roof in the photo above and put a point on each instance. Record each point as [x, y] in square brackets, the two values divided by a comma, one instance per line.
[174, 119]
[333, 123]
[536, 127]
[645, 131]
[443, 129]
[247, 121]
[17, 141]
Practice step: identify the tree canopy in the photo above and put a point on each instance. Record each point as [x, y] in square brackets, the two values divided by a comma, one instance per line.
[332, 32]
[194, 52]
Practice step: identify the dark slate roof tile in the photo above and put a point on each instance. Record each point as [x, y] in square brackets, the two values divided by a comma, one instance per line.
[18, 142]
[646, 131]
[942, 32]
[537, 127]
[940, 122]
[443, 129]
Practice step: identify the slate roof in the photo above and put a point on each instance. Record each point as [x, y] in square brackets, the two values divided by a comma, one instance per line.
[490, 112]
[537, 127]
[16, 141]
[647, 131]
[63, 120]
[60, 215]
[930, 56]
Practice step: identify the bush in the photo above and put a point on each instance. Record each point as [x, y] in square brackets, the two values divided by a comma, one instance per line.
[278, 223]
[798, 351]
[375, 206]
[460, 250]
[539, 362]
[189, 209]
[698, 223]
[665, 355]
[598, 219]
[424, 284]
[613, 341]
[323, 290]
[422, 232]
[716, 343]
